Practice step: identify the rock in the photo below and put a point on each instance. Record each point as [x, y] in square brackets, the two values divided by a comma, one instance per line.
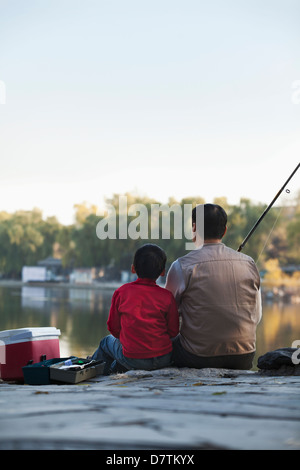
[183, 373]
[282, 370]
[273, 360]
[154, 412]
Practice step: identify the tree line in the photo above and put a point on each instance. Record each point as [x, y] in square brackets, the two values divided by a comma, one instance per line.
[26, 237]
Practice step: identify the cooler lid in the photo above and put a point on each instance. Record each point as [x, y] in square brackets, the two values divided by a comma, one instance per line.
[27, 333]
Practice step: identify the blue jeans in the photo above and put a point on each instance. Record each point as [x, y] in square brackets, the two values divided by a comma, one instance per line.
[110, 351]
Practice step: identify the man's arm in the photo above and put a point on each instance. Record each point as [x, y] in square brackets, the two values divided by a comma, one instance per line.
[175, 281]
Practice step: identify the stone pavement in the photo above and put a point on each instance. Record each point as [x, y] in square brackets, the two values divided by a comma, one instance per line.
[164, 409]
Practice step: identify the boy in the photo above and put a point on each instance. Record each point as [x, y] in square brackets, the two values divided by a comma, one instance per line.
[143, 318]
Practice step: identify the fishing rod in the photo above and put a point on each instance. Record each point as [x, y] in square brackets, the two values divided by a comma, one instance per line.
[267, 210]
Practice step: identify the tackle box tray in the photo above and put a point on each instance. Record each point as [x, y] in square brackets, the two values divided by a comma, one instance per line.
[75, 370]
[39, 373]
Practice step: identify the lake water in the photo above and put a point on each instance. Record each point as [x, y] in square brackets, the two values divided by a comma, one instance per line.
[81, 316]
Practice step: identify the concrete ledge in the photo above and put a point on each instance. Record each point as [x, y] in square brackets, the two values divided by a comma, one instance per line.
[163, 409]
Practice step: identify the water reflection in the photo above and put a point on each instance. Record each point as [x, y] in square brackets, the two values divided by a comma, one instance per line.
[280, 326]
[81, 315]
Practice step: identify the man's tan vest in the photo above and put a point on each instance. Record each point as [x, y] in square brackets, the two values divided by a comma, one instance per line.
[221, 304]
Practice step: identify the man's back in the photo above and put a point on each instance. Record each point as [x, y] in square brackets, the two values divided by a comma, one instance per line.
[217, 290]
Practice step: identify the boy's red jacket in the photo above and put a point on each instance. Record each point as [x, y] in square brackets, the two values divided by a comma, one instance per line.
[144, 317]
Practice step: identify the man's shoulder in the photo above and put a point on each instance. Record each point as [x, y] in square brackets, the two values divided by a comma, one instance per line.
[231, 253]
[190, 257]
[240, 257]
[213, 252]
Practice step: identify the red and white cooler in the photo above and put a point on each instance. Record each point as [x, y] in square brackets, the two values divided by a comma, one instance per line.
[24, 346]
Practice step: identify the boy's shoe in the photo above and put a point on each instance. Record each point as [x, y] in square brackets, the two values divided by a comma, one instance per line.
[117, 368]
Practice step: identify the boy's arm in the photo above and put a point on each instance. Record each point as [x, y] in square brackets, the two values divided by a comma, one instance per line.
[175, 281]
[173, 319]
[113, 322]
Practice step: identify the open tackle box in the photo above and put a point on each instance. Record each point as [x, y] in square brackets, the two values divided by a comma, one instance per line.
[70, 370]
[75, 370]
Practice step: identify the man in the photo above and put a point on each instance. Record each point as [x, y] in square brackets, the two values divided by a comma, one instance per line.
[217, 291]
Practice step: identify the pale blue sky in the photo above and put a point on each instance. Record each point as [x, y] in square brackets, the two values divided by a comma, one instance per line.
[166, 98]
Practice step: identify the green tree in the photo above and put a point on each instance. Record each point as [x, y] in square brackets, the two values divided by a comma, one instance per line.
[241, 219]
[293, 237]
[25, 238]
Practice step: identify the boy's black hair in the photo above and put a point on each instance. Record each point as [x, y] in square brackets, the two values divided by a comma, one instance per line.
[149, 261]
[215, 221]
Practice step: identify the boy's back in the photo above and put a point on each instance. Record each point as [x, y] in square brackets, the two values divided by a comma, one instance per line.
[144, 317]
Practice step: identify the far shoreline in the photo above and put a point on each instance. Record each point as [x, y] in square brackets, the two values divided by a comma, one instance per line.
[63, 285]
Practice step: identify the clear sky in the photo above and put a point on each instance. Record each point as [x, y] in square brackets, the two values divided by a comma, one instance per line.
[163, 97]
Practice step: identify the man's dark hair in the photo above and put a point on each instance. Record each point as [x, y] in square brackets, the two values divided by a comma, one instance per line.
[149, 261]
[215, 220]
